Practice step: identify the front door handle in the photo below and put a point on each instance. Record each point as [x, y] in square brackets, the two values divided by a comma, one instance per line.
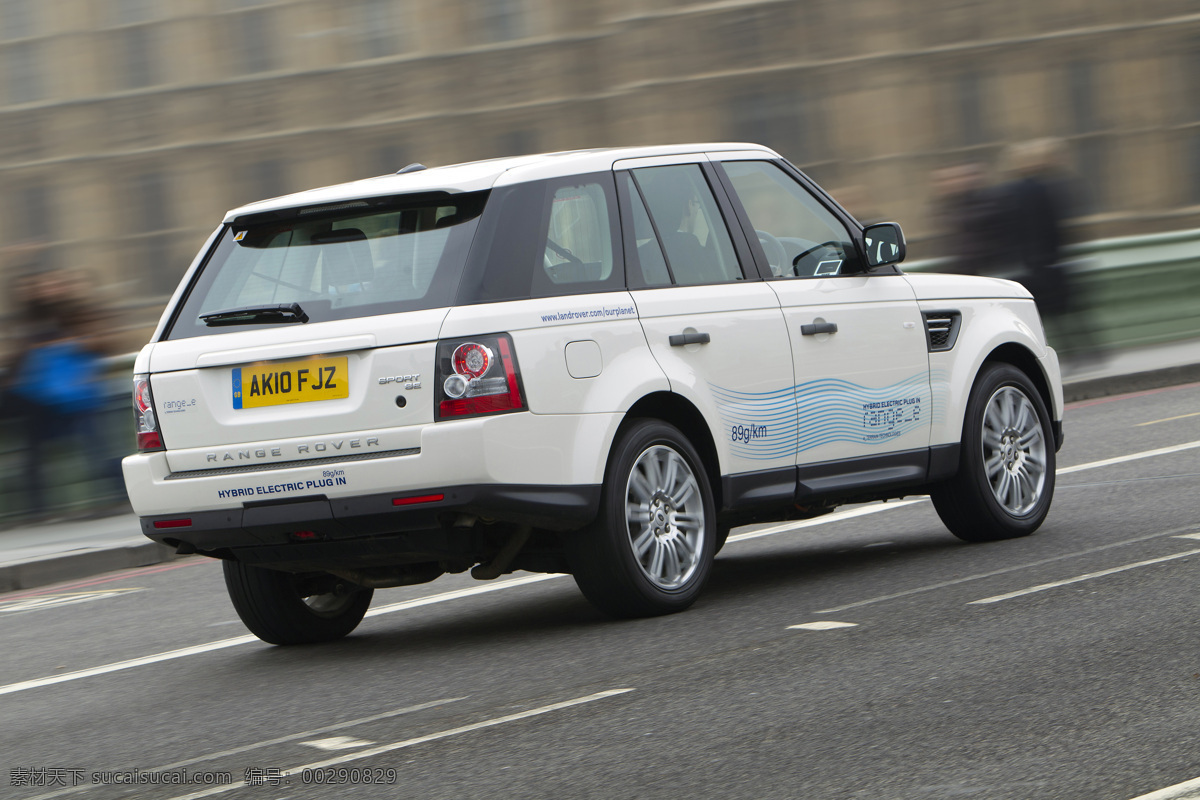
[680, 339]
[818, 327]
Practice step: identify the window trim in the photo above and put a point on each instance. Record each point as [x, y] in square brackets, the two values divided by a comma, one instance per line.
[540, 287]
[741, 249]
[823, 198]
[625, 198]
[482, 282]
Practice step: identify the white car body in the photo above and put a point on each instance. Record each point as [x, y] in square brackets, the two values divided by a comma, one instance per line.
[796, 422]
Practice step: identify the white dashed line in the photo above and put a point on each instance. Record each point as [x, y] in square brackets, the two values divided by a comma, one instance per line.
[432, 737]
[221, 644]
[334, 743]
[1189, 790]
[59, 600]
[477, 590]
[1055, 584]
[826, 519]
[822, 626]
[246, 748]
[1002, 571]
[1162, 451]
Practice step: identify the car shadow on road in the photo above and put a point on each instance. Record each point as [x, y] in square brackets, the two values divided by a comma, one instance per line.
[737, 573]
[548, 614]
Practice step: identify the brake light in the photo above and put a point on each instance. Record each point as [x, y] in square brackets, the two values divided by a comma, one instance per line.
[148, 436]
[478, 376]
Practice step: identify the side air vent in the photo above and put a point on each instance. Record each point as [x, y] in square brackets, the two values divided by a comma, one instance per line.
[941, 329]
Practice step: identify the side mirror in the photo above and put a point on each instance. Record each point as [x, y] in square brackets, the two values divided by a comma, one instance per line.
[884, 244]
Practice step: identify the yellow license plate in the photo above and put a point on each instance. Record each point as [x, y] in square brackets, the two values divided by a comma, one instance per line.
[277, 383]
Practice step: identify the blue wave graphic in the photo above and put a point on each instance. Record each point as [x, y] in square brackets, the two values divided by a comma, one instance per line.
[764, 426]
[760, 426]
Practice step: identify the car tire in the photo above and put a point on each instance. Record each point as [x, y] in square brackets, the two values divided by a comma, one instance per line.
[651, 549]
[1005, 478]
[722, 537]
[274, 607]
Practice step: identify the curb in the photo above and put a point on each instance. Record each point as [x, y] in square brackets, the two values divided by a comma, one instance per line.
[1090, 388]
[81, 564]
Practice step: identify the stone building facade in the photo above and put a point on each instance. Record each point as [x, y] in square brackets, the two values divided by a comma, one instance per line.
[127, 127]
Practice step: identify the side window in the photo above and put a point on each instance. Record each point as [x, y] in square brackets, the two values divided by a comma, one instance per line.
[578, 243]
[689, 225]
[798, 235]
[546, 238]
[649, 252]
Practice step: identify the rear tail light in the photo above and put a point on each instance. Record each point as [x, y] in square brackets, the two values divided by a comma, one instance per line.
[478, 376]
[148, 437]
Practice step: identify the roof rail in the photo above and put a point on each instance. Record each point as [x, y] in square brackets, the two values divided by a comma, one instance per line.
[413, 167]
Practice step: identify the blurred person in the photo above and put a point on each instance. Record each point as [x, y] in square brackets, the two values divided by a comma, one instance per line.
[52, 387]
[970, 214]
[1036, 207]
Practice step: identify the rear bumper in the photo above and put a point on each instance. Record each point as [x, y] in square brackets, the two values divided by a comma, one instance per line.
[352, 519]
[468, 458]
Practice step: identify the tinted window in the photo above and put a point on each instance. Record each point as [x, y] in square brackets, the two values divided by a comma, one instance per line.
[689, 224]
[579, 242]
[544, 239]
[649, 253]
[798, 235]
[382, 256]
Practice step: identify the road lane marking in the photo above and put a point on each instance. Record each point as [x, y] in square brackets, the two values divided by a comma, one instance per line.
[1168, 419]
[1002, 571]
[221, 644]
[1162, 451]
[334, 743]
[460, 593]
[135, 572]
[1188, 536]
[822, 626]
[103, 669]
[446, 596]
[1188, 790]
[259, 745]
[836, 516]
[60, 600]
[432, 737]
[1078, 578]
[1127, 481]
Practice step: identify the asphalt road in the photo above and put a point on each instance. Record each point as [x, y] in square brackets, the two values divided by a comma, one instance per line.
[1064, 665]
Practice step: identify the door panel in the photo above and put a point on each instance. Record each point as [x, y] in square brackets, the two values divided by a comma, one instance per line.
[740, 379]
[864, 389]
[719, 337]
[857, 339]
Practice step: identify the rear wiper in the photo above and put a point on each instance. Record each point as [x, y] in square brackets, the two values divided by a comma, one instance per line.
[256, 315]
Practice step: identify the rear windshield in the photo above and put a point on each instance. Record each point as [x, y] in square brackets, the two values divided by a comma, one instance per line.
[358, 259]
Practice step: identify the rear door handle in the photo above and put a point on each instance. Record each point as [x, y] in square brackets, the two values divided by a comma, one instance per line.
[680, 339]
[818, 327]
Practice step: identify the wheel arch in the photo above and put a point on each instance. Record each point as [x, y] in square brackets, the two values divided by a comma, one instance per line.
[1021, 358]
[676, 410]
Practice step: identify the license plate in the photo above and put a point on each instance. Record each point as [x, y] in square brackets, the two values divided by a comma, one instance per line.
[277, 383]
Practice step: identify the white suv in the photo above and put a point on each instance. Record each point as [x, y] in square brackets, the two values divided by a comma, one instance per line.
[593, 362]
